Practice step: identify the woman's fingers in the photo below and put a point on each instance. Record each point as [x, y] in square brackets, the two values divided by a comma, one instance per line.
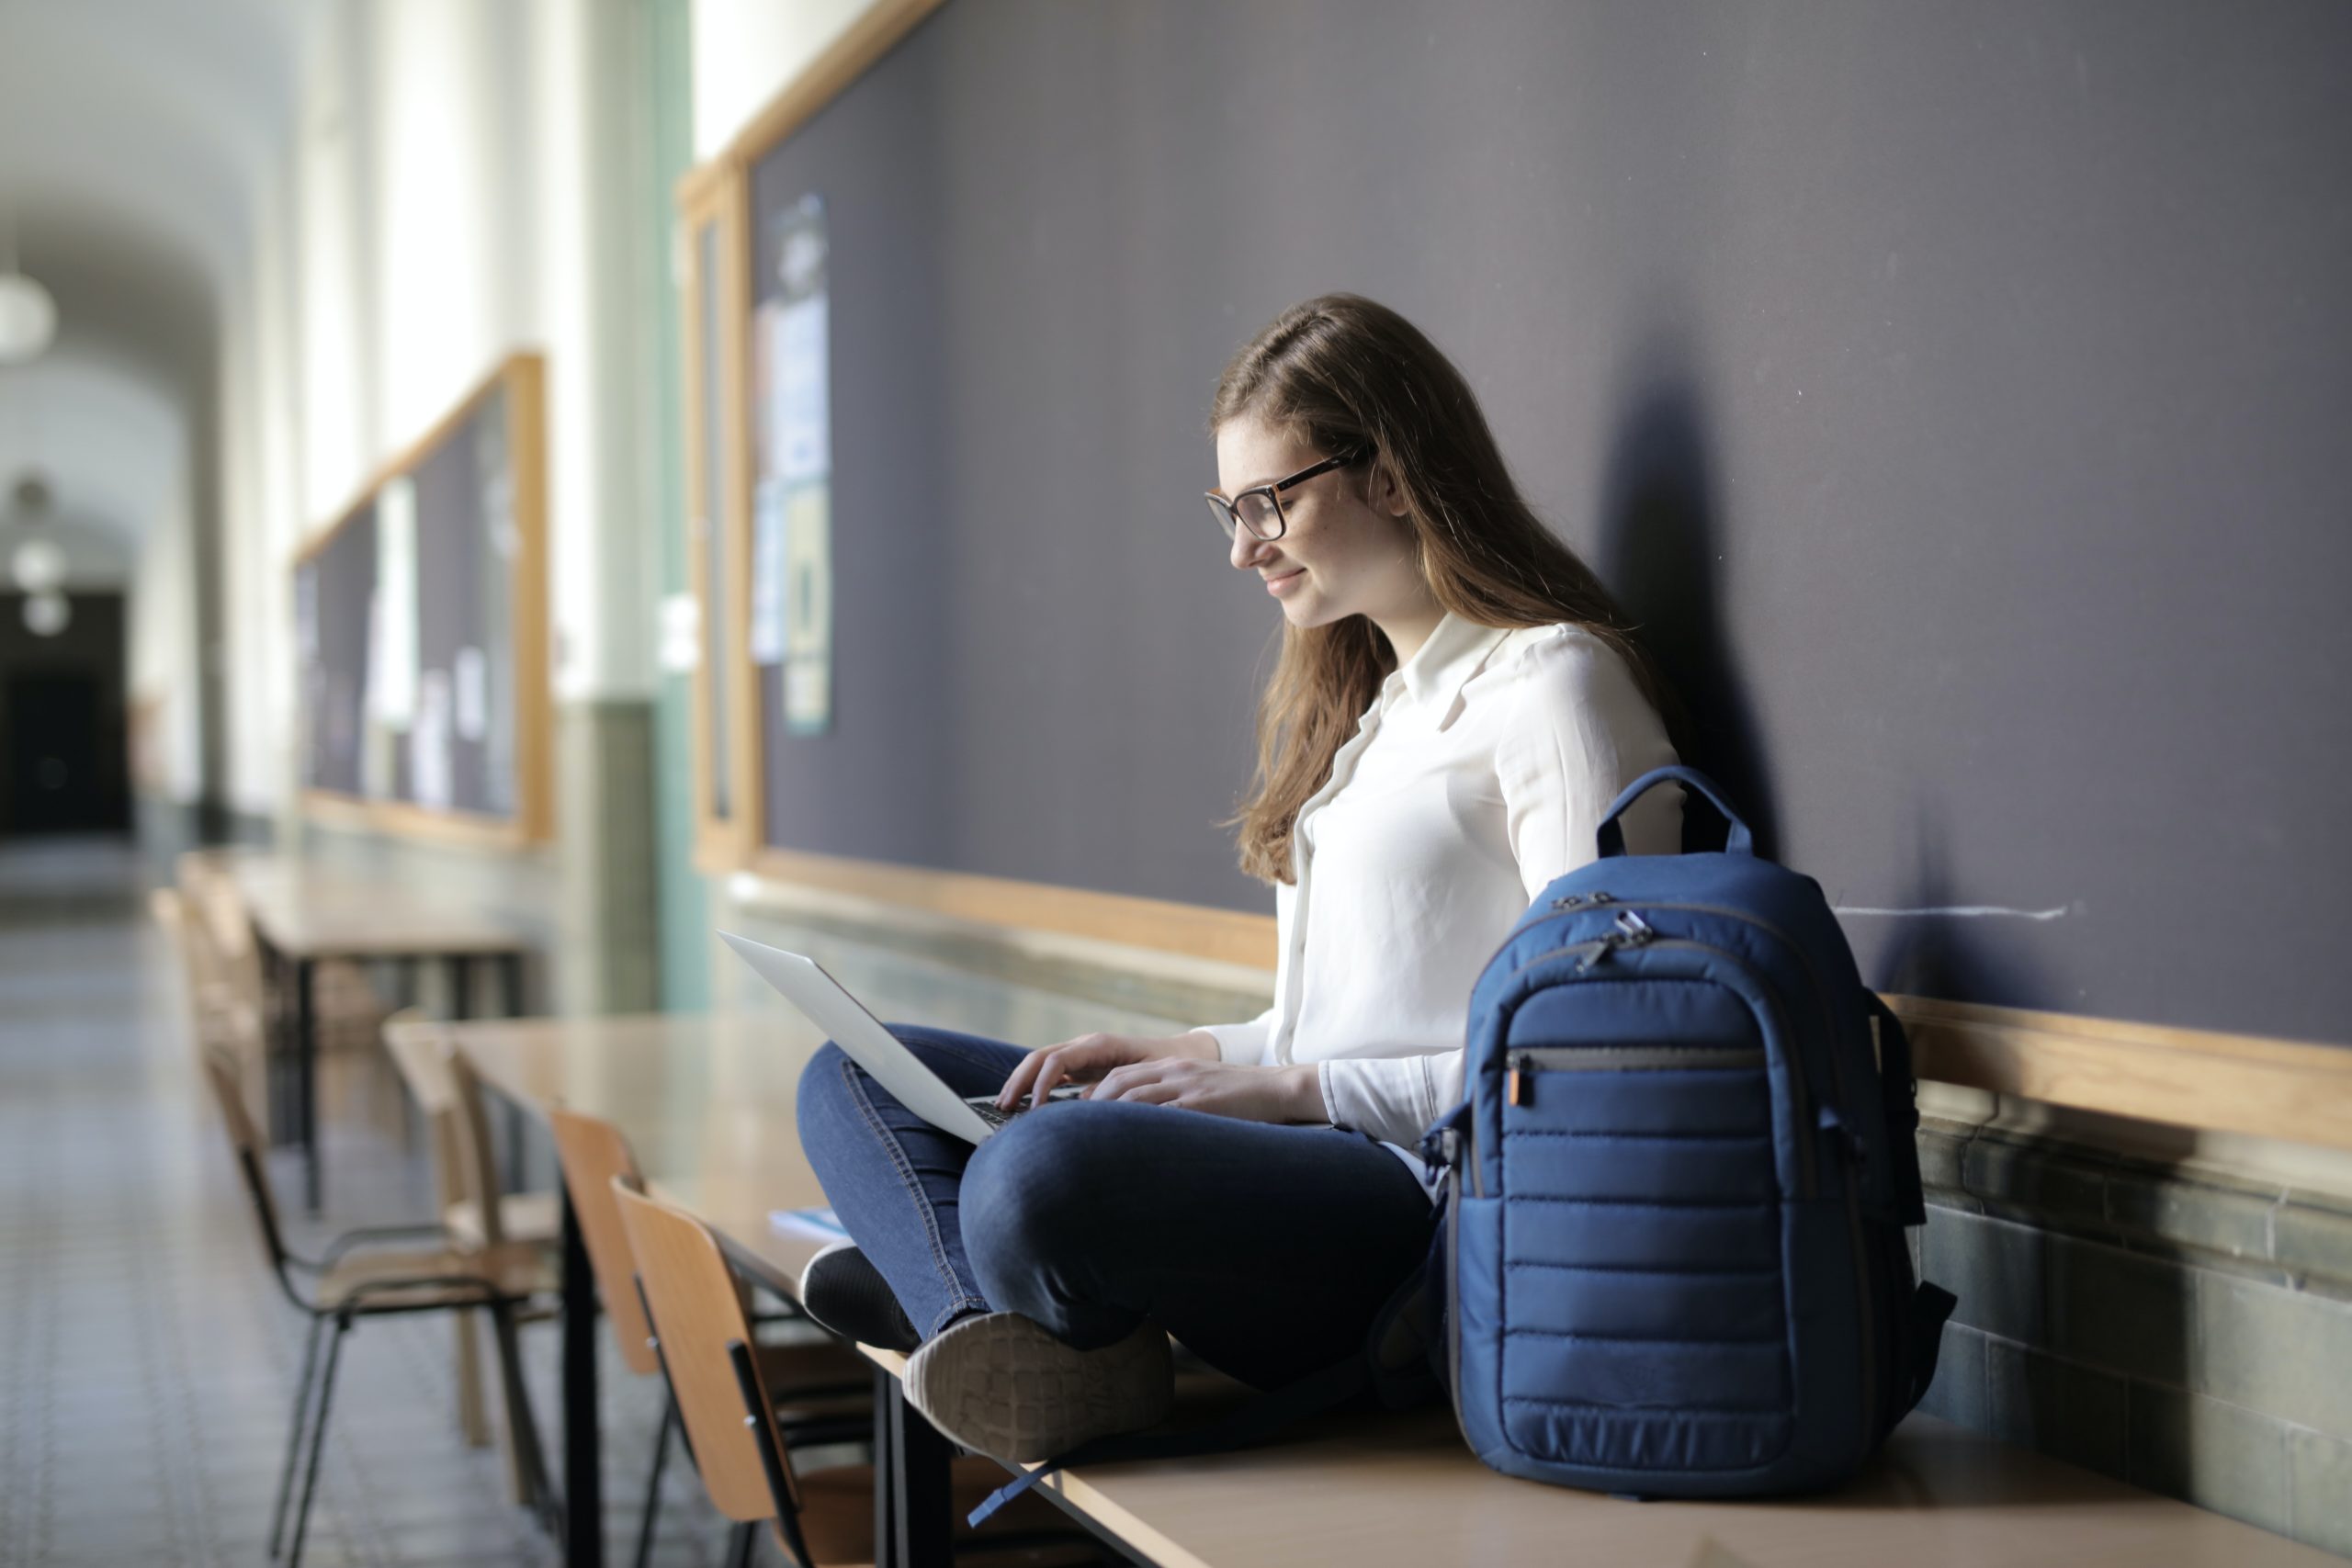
[1122, 1082]
[1056, 1065]
[1017, 1081]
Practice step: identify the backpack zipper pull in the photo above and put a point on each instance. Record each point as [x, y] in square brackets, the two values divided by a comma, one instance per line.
[1516, 1088]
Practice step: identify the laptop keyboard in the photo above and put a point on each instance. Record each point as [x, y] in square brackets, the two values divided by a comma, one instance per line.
[986, 1104]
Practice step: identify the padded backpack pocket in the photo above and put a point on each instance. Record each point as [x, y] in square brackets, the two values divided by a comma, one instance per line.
[1642, 1251]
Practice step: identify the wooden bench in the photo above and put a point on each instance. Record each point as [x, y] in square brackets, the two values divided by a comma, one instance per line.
[707, 1104]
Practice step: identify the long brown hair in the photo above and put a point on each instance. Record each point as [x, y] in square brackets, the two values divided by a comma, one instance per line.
[1343, 372]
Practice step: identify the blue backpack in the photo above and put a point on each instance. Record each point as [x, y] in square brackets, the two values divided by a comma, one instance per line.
[1674, 1255]
[1671, 1260]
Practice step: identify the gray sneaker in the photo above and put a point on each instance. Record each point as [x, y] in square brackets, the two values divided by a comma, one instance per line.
[845, 1294]
[999, 1383]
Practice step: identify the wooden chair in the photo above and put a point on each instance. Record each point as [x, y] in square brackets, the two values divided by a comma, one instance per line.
[824, 1382]
[825, 1518]
[359, 1277]
[205, 989]
[476, 1215]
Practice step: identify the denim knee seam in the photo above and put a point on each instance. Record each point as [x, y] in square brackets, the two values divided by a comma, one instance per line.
[960, 1301]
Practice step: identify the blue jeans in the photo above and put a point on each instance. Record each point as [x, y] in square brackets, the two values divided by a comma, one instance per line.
[1264, 1249]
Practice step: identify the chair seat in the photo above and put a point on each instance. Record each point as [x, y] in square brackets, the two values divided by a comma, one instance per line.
[837, 1516]
[514, 1269]
[522, 1217]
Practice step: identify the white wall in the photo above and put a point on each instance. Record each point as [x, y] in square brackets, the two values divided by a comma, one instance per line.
[163, 652]
[745, 52]
[465, 179]
[459, 188]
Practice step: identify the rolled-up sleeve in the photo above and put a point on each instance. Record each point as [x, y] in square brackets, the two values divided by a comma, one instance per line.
[1587, 732]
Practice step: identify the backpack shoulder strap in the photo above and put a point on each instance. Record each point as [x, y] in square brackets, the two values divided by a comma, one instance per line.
[1899, 1100]
[1899, 1108]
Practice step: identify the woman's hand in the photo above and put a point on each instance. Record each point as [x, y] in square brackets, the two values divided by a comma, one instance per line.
[1088, 1058]
[1247, 1092]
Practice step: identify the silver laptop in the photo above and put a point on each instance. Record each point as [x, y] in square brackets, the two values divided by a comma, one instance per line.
[823, 1001]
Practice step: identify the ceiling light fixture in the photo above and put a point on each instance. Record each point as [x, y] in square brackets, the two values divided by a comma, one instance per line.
[46, 615]
[28, 313]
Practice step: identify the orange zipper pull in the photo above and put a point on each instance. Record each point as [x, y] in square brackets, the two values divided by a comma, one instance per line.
[1515, 1086]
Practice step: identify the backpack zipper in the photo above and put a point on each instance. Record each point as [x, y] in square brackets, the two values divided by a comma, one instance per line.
[1640, 934]
[1621, 1059]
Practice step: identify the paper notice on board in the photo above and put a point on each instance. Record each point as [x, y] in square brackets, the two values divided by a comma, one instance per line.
[770, 576]
[391, 663]
[808, 616]
[469, 681]
[799, 424]
[430, 774]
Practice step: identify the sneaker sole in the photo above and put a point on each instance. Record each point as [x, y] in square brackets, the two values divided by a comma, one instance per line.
[1002, 1384]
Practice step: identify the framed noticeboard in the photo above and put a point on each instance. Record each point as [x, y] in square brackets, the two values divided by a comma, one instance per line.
[710, 217]
[421, 631]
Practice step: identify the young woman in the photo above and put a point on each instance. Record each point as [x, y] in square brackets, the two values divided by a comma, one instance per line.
[1456, 703]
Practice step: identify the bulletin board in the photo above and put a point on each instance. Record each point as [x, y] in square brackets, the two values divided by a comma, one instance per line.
[1980, 496]
[421, 631]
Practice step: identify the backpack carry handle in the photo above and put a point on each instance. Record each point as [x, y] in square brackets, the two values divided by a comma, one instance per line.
[1737, 840]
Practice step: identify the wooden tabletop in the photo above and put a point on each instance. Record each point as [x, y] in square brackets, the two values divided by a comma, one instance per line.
[306, 912]
[707, 1103]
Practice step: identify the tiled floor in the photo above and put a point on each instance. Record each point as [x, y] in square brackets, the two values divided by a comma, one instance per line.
[146, 1361]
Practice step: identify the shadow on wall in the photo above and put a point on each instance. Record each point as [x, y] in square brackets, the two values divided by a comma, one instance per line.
[1662, 555]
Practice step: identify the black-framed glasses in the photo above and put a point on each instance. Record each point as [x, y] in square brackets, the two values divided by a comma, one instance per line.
[1260, 508]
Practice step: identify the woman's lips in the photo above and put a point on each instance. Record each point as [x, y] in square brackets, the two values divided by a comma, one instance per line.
[1285, 583]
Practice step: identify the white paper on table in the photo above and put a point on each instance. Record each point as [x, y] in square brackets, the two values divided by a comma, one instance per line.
[815, 1224]
[470, 680]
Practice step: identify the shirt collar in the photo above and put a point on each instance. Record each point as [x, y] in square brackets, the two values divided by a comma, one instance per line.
[1431, 681]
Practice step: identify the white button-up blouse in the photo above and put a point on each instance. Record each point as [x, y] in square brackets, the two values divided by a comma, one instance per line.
[1479, 774]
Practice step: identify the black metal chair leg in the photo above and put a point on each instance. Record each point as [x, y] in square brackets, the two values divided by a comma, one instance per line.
[653, 1484]
[519, 1423]
[300, 1421]
[318, 1441]
[747, 1535]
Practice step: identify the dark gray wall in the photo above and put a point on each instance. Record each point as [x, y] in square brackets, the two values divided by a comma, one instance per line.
[1957, 392]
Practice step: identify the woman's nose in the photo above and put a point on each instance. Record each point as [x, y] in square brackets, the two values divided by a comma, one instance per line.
[1248, 549]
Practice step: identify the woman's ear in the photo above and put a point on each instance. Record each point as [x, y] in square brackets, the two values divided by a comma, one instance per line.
[1383, 491]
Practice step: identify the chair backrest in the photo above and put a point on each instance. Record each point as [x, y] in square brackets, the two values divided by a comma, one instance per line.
[171, 914]
[697, 1307]
[449, 1094]
[594, 1155]
[233, 952]
[246, 1143]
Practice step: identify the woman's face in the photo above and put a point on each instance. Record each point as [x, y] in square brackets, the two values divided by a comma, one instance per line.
[1346, 551]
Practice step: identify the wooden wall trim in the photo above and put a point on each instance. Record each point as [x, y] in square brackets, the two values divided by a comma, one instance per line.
[710, 198]
[466, 829]
[530, 574]
[1226, 936]
[2186, 1078]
